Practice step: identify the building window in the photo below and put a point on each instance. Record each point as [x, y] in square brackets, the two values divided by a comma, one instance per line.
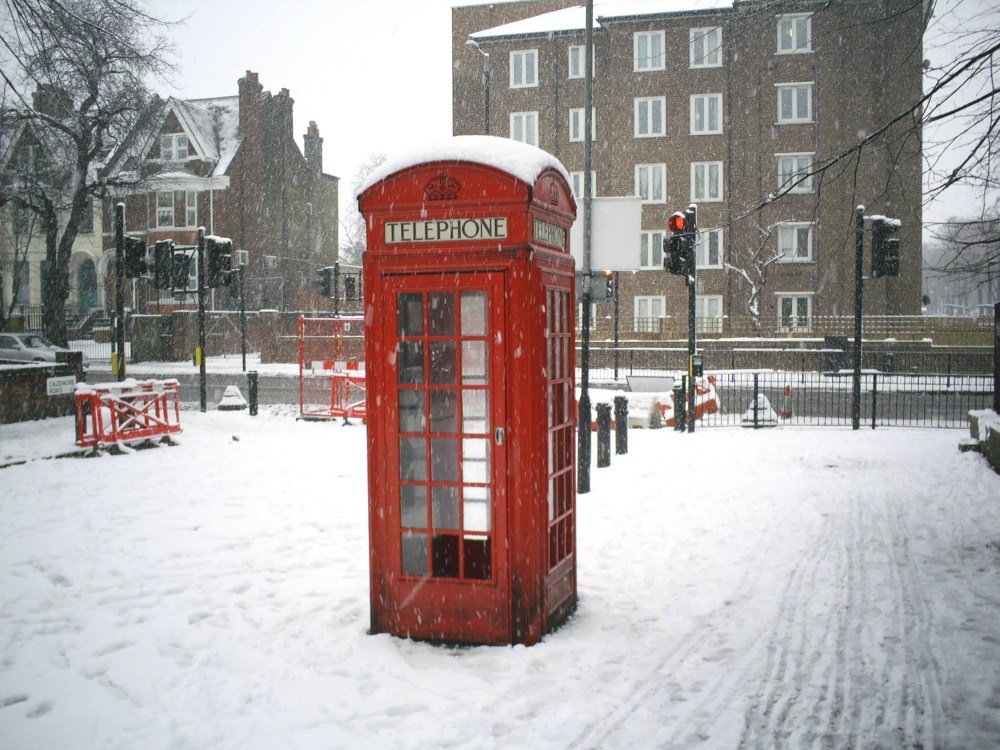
[795, 312]
[173, 147]
[22, 218]
[648, 50]
[650, 182]
[708, 313]
[524, 69]
[191, 208]
[165, 209]
[706, 48]
[29, 159]
[795, 243]
[794, 34]
[241, 258]
[706, 181]
[649, 117]
[576, 55]
[647, 313]
[524, 127]
[795, 173]
[87, 221]
[708, 250]
[706, 114]
[651, 250]
[576, 178]
[794, 102]
[576, 121]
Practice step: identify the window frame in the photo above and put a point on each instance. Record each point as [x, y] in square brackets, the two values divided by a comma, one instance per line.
[699, 100]
[792, 228]
[796, 118]
[576, 124]
[524, 55]
[576, 179]
[637, 325]
[697, 166]
[579, 73]
[803, 185]
[190, 208]
[651, 101]
[526, 118]
[702, 249]
[795, 297]
[648, 35]
[796, 48]
[698, 34]
[708, 323]
[648, 243]
[650, 168]
[174, 150]
[161, 209]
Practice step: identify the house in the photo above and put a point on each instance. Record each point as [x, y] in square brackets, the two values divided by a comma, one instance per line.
[231, 165]
[734, 106]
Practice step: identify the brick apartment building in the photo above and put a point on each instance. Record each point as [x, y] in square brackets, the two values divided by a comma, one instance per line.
[731, 106]
[231, 165]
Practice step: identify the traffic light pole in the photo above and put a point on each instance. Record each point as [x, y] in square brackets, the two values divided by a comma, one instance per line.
[583, 415]
[692, 342]
[859, 257]
[200, 354]
[336, 288]
[243, 313]
[120, 292]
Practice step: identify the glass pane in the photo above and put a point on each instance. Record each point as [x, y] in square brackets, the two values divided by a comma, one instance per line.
[475, 412]
[476, 508]
[478, 563]
[414, 549]
[409, 309]
[785, 97]
[802, 104]
[444, 460]
[443, 365]
[476, 460]
[473, 313]
[441, 314]
[410, 359]
[411, 411]
[413, 506]
[412, 459]
[444, 563]
[444, 508]
[444, 411]
[475, 368]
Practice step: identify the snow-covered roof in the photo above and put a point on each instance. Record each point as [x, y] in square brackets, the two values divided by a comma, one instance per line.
[213, 125]
[575, 19]
[519, 159]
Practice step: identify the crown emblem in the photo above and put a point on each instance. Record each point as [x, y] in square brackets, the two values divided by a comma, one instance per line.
[442, 188]
[553, 193]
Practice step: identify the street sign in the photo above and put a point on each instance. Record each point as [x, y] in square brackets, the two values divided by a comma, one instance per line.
[60, 386]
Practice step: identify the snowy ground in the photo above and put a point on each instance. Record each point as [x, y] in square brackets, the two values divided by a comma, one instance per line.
[791, 588]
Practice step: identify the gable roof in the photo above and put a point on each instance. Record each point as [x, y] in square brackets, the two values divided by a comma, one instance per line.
[212, 125]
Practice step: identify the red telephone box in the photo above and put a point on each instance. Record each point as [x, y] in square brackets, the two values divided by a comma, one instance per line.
[469, 345]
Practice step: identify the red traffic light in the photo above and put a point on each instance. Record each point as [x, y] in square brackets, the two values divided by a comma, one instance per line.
[676, 222]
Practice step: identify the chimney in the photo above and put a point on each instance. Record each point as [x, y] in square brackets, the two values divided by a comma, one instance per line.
[250, 95]
[313, 149]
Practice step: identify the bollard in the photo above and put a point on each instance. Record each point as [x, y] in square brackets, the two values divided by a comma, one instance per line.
[621, 425]
[603, 435]
[680, 404]
[252, 391]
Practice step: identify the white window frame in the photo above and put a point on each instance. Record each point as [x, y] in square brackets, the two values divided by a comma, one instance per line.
[241, 258]
[705, 47]
[794, 323]
[574, 64]
[789, 28]
[701, 107]
[792, 89]
[651, 60]
[165, 216]
[703, 171]
[644, 321]
[651, 249]
[527, 65]
[190, 208]
[576, 183]
[645, 182]
[645, 117]
[527, 123]
[795, 172]
[170, 147]
[789, 239]
[576, 124]
[703, 250]
[705, 320]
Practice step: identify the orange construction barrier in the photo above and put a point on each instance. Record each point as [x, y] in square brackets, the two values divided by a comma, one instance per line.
[110, 414]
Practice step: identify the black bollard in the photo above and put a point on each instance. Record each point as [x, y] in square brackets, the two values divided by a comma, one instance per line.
[680, 404]
[621, 425]
[252, 391]
[603, 435]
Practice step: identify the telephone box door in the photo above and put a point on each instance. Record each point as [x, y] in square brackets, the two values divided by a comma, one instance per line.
[446, 467]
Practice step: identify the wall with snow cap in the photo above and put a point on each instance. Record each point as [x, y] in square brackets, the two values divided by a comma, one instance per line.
[984, 426]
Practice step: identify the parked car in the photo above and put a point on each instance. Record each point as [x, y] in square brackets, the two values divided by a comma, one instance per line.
[31, 347]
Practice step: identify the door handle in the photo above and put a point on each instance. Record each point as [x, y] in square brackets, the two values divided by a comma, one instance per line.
[498, 435]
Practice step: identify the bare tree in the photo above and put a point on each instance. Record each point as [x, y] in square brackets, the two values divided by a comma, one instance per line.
[353, 238]
[967, 259]
[754, 271]
[75, 75]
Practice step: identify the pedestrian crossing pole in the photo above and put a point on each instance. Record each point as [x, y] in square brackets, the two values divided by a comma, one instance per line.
[200, 353]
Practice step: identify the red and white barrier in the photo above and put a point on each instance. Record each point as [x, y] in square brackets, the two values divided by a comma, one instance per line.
[110, 414]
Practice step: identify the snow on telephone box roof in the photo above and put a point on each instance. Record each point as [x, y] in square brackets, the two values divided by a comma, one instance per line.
[518, 159]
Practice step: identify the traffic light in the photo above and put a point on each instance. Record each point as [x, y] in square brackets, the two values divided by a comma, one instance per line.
[350, 287]
[180, 271]
[134, 264]
[162, 263]
[612, 280]
[885, 247]
[218, 261]
[324, 285]
[676, 246]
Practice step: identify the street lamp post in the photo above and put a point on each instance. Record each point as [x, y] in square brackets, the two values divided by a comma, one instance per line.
[471, 44]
